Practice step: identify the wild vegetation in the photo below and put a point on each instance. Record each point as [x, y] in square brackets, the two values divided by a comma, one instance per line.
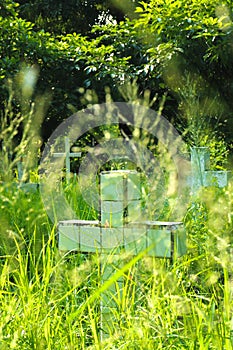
[161, 47]
[177, 62]
[51, 301]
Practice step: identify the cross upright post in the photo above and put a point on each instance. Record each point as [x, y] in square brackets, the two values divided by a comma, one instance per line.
[67, 154]
[21, 170]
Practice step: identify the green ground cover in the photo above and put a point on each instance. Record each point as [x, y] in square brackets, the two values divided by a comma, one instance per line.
[51, 301]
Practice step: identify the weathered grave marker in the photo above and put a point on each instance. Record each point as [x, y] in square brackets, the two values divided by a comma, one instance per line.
[21, 170]
[67, 155]
[202, 176]
[23, 184]
[120, 228]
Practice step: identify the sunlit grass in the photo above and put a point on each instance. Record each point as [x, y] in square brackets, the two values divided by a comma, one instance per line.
[51, 301]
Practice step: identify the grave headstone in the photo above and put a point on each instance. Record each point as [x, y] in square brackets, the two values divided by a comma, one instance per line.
[120, 228]
[22, 184]
[202, 176]
[67, 154]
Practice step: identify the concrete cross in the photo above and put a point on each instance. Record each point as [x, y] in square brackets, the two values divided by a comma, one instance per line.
[120, 228]
[23, 182]
[67, 154]
[202, 176]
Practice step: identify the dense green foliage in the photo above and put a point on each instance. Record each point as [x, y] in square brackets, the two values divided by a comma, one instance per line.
[171, 47]
[64, 17]
[66, 64]
[175, 55]
[190, 45]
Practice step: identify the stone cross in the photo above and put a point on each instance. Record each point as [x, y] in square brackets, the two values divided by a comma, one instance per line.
[120, 228]
[67, 154]
[21, 170]
[22, 184]
[202, 176]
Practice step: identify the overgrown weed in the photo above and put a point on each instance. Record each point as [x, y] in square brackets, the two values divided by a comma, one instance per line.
[50, 300]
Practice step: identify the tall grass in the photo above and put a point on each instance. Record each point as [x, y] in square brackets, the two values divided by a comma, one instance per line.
[50, 300]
